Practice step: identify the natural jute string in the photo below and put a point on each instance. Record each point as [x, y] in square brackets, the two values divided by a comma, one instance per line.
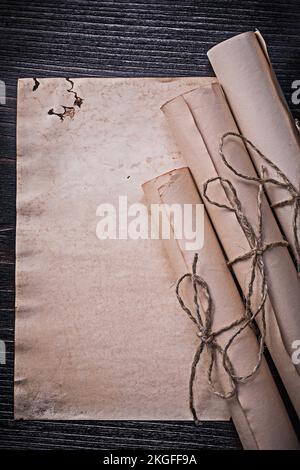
[258, 247]
[207, 336]
[283, 182]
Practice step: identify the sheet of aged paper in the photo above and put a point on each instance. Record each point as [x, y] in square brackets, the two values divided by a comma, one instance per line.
[258, 412]
[244, 70]
[99, 334]
[198, 120]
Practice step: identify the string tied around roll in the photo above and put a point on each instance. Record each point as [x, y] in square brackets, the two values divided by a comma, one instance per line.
[258, 247]
[206, 335]
[283, 182]
[208, 339]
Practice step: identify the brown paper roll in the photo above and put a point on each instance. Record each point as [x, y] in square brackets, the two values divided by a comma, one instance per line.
[198, 120]
[258, 412]
[243, 68]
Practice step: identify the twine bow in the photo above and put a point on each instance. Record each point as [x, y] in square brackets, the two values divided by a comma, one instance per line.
[208, 338]
[256, 240]
[258, 247]
[283, 182]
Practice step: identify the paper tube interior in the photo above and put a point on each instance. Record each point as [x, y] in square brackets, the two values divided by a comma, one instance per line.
[244, 70]
[99, 334]
[258, 412]
[198, 119]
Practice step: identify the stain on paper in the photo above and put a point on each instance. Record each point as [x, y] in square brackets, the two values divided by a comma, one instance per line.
[36, 84]
[68, 111]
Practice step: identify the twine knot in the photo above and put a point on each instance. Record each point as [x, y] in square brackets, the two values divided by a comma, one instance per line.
[282, 182]
[208, 338]
[258, 247]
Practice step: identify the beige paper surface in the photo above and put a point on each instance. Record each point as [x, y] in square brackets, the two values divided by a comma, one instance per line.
[258, 412]
[198, 120]
[243, 68]
[99, 334]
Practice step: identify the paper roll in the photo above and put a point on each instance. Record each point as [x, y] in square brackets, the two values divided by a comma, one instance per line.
[258, 412]
[243, 68]
[198, 120]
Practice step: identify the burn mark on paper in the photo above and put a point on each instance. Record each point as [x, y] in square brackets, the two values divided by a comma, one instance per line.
[36, 84]
[78, 101]
[68, 111]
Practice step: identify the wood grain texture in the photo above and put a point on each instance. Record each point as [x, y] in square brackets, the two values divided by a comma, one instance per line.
[116, 38]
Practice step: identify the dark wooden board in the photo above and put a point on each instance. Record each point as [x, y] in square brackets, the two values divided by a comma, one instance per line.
[116, 38]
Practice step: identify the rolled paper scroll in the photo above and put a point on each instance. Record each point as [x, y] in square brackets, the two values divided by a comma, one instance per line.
[257, 410]
[243, 68]
[283, 281]
[198, 119]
